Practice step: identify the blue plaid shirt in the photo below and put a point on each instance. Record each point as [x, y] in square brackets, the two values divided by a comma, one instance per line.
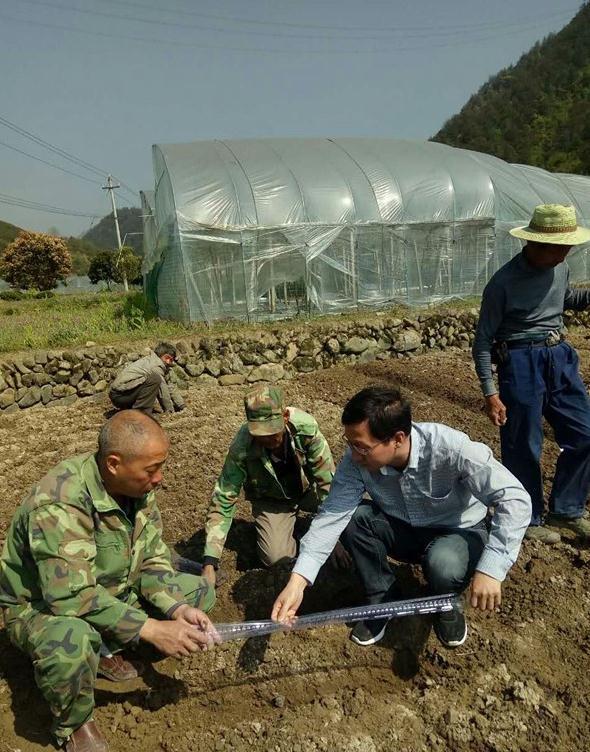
[449, 482]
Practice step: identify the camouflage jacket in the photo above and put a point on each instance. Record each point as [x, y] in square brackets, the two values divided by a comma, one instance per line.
[72, 551]
[134, 373]
[248, 465]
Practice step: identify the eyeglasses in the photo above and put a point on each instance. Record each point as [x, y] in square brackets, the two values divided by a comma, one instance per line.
[363, 451]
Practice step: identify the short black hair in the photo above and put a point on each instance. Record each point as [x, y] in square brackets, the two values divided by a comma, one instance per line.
[385, 409]
[165, 348]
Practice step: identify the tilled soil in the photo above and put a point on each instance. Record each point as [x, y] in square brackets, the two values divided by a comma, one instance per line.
[520, 682]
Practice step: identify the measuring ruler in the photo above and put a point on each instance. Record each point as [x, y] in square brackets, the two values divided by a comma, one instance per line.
[434, 604]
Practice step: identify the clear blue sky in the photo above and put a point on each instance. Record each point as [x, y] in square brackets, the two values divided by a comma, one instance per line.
[105, 79]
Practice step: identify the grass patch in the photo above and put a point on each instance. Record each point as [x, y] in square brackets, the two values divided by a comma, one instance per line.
[72, 320]
[66, 321]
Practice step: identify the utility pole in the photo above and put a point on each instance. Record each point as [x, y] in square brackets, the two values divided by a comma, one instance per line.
[110, 187]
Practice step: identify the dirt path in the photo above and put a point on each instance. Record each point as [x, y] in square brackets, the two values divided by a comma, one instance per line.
[521, 682]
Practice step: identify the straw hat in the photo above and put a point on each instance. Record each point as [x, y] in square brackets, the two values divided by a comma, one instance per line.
[555, 224]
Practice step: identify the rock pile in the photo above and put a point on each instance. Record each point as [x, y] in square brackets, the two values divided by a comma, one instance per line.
[56, 377]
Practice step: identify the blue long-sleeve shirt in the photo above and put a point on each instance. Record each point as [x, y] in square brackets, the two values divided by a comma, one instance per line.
[449, 481]
[522, 302]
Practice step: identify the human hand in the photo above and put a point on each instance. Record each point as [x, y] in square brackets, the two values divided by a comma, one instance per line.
[177, 637]
[486, 592]
[289, 599]
[209, 574]
[495, 410]
[207, 633]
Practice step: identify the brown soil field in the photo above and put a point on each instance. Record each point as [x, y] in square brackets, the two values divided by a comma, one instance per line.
[520, 682]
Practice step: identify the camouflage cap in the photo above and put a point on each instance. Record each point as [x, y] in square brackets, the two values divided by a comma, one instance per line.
[264, 410]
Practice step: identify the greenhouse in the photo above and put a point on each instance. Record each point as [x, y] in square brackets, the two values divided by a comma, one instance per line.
[254, 229]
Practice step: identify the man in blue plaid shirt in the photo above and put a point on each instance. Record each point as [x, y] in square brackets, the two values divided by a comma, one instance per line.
[430, 490]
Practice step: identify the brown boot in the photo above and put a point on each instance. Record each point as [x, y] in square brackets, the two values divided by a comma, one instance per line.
[87, 738]
[116, 669]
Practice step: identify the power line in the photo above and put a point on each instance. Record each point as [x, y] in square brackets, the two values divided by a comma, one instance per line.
[465, 40]
[37, 206]
[50, 164]
[55, 149]
[421, 31]
[123, 199]
[126, 188]
[26, 203]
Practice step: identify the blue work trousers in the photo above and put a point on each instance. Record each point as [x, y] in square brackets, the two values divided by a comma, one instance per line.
[539, 382]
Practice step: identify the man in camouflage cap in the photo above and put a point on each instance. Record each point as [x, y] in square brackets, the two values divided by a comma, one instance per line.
[83, 557]
[283, 462]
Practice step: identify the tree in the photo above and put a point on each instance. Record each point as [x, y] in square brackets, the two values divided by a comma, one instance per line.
[537, 111]
[127, 267]
[79, 263]
[35, 260]
[102, 268]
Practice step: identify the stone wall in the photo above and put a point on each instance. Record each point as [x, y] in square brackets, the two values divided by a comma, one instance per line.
[60, 377]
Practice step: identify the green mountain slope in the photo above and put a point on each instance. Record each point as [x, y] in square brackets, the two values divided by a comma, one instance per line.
[82, 252]
[103, 234]
[535, 112]
[8, 233]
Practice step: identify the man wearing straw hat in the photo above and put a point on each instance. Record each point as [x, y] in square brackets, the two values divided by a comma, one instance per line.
[520, 328]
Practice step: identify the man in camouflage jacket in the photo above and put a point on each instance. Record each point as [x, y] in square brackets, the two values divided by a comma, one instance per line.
[283, 462]
[83, 557]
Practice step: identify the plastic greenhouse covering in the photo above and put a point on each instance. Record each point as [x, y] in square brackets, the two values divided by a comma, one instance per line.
[261, 228]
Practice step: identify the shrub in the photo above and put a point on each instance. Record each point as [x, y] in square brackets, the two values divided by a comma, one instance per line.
[102, 268]
[35, 260]
[12, 295]
[127, 266]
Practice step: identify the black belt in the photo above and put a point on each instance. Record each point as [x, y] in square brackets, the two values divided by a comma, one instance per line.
[549, 341]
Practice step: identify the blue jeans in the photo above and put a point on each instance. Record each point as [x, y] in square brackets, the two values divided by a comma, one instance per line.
[448, 555]
[539, 382]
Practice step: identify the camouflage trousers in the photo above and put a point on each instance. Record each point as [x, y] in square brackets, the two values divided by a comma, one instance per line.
[65, 652]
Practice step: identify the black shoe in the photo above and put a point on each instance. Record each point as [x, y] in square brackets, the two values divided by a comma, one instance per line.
[451, 628]
[369, 632]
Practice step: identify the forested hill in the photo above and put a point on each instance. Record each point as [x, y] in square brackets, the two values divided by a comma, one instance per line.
[8, 233]
[130, 223]
[536, 112]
